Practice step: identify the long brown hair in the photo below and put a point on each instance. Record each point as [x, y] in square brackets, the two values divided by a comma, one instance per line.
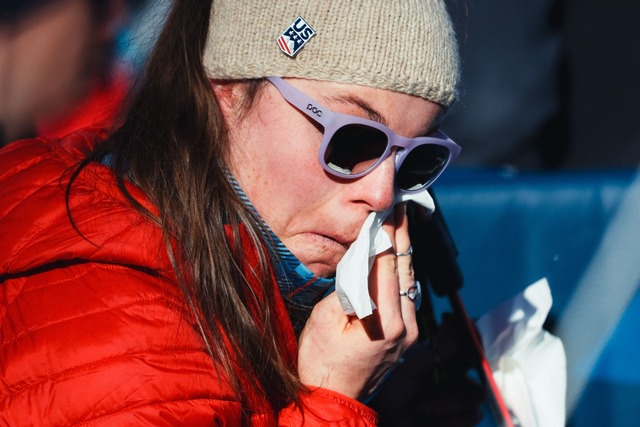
[173, 144]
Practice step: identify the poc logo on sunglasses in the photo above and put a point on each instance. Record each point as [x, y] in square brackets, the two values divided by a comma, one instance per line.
[314, 110]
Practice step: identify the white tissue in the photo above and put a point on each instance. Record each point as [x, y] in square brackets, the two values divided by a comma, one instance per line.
[528, 363]
[352, 273]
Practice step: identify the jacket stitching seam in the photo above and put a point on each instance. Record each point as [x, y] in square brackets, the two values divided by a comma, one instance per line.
[91, 313]
[68, 373]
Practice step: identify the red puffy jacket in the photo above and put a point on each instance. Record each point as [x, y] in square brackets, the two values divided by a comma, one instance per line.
[90, 333]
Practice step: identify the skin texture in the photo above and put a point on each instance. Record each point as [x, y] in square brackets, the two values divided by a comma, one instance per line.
[48, 60]
[274, 151]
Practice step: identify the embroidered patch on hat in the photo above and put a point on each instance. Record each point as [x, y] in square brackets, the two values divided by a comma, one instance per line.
[295, 37]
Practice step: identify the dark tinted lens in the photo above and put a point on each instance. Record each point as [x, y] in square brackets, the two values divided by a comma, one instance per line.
[355, 148]
[421, 165]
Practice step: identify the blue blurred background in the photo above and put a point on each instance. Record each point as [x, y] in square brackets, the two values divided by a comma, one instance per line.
[549, 122]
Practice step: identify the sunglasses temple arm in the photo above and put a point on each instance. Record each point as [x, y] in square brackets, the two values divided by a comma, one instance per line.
[299, 100]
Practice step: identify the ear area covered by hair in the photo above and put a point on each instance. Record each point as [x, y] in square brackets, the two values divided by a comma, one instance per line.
[221, 89]
[229, 94]
[235, 97]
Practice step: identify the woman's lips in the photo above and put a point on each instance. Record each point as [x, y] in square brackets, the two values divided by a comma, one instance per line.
[330, 240]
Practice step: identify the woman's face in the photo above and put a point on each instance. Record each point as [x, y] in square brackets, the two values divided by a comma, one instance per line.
[274, 157]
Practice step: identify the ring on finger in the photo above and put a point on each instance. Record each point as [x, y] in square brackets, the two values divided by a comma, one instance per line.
[405, 253]
[414, 293]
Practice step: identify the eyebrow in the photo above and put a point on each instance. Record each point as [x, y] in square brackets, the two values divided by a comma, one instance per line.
[373, 114]
[370, 112]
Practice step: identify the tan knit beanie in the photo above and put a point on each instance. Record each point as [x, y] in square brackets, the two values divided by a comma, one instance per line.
[407, 46]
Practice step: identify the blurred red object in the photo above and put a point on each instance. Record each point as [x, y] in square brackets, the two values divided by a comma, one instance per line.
[98, 109]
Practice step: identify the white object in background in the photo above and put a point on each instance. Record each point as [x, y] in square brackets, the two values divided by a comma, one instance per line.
[528, 363]
[352, 273]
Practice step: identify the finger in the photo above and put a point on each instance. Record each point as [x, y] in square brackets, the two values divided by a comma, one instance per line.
[401, 235]
[384, 280]
[406, 275]
[384, 289]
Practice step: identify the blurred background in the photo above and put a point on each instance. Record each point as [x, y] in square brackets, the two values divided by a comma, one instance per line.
[546, 186]
[67, 64]
[548, 84]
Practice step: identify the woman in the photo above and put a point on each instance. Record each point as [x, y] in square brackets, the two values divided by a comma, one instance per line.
[178, 270]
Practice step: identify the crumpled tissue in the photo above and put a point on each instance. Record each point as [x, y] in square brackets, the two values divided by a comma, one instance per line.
[528, 363]
[352, 272]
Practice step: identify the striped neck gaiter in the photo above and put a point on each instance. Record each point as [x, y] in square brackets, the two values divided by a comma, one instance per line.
[300, 288]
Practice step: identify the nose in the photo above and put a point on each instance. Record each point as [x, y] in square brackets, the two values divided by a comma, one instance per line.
[376, 189]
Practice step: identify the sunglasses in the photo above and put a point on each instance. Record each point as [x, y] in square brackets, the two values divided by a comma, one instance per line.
[352, 146]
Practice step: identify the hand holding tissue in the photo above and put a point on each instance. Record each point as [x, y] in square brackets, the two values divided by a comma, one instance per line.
[352, 273]
[528, 363]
